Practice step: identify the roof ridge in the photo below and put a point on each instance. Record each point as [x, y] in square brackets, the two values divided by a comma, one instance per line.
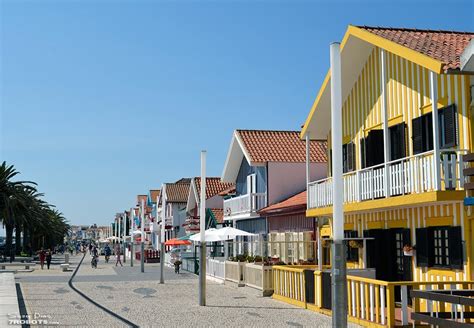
[260, 130]
[413, 29]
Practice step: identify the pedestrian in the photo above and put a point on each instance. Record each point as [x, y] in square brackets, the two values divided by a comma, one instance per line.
[107, 252]
[177, 263]
[42, 257]
[48, 258]
[117, 255]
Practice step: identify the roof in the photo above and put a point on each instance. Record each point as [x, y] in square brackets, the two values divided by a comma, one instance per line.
[280, 146]
[228, 191]
[177, 192]
[218, 214]
[154, 194]
[140, 198]
[444, 46]
[214, 186]
[294, 203]
[184, 180]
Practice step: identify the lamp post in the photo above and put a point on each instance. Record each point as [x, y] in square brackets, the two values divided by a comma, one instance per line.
[162, 232]
[338, 271]
[202, 224]
[132, 239]
[124, 234]
[142, 239]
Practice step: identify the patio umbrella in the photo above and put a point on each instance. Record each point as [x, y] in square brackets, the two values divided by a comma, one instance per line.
[209, 235]
[177, 242]
[230, 233]
[137, 232]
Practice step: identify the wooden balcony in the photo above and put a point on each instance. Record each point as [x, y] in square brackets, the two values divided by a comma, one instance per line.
[409, 175]
[371, 302]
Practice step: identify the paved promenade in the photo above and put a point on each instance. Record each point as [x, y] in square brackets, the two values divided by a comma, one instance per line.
[140, 298]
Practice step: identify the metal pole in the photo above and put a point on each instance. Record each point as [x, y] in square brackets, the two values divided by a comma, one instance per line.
[202, 223]
[142, 239]
[338, 281]
[132, 239]
[124, 233]
[162, 234]
[118, 234]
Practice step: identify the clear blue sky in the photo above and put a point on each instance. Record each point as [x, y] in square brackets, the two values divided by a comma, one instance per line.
[103, 100]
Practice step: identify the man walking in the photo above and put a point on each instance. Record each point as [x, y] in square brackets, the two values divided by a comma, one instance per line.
[117, 255]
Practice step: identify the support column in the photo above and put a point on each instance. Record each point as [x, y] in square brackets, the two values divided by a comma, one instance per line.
[142, 239]
[338, 271]
[436, 152]
[202, 224]
[386, 140]
[162, 232]
[132, 238]
[308, 176]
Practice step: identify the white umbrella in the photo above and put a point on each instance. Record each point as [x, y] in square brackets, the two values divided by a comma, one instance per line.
[230, 233]
[113, 238]
[137, 233]
[209, 235]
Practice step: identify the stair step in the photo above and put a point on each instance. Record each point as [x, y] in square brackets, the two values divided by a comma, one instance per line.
[468, 157]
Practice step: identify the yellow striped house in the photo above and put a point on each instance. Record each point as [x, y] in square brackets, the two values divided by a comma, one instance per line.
[402, 187]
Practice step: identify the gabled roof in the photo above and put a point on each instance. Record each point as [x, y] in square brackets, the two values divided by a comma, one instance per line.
[218, 214]
[444, 46]
[437, 51]
[153, 195]
[294, 203]
[214, 186]
[178, 192]
[140, 198]
[259, 147]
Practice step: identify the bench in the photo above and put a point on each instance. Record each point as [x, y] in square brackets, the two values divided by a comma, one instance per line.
[64, 267]
[27, 265]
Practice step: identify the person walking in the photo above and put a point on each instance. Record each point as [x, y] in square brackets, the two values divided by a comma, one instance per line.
[49, 256]
[117, 255]
[42, 257]
[107, 252]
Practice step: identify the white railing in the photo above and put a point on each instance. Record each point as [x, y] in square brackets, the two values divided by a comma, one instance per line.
[215, 268]
[245, 204]
[409, 175]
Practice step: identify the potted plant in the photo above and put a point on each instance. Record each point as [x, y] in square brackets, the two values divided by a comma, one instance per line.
[408, 250]
[355, 244]
[325, 243]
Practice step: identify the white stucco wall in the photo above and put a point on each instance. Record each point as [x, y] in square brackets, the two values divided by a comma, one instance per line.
[286, 179]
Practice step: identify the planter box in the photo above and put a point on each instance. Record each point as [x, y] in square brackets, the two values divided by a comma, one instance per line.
[235, 272]
[260, 277]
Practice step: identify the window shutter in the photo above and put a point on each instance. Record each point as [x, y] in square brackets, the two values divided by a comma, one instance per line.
[455, 247]
[449, 123]
[417, 134]
[428, 132]
[362, 153]
[350, 157]
[344, 158]
[422, 247]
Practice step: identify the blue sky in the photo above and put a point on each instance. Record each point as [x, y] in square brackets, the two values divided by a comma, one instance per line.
[103, 100]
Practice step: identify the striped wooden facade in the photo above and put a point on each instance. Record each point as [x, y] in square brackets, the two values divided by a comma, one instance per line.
[408, 97]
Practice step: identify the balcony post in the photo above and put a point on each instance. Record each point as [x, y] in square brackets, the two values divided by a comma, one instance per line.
[307, 168]
[386, 143]
[338, 279]
[436, 153]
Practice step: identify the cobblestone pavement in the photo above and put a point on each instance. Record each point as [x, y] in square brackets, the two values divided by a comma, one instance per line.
[140, 298]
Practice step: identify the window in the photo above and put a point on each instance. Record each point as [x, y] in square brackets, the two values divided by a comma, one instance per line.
[422, 134]
[397, 141]
[348, 157]
[372, 149]
[439, 247]
[352, 253]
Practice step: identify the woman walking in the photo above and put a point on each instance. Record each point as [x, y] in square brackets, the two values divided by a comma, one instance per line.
[117, 255]
[42, 257]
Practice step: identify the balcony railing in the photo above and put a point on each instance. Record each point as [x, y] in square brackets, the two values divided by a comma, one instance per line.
[244, 204]
[409, 175]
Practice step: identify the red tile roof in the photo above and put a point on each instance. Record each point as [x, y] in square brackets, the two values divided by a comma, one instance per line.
[228, 191]
[445, 46]
[154, 194]
[213, 186]
[218, 214]
[294, 203]
[140, 198]
[280, 146]
[177, 192]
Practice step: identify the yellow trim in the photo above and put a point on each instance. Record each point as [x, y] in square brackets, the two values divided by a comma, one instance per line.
[349, 226]
[375, 225]
[373, 127]
[406, 200]
[397, 224]
[289, 300]
[325, 231]
[428, 108]
[390, 46]
[395, 120]
[439, 221]
[347, 139]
